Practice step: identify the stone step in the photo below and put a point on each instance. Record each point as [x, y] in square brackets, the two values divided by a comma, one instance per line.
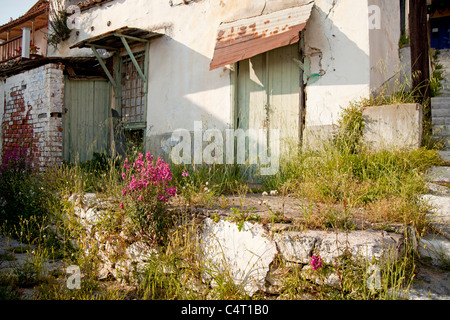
[435, 113]
[440, 99]
[441, 121]
[445, 140]
[441, 130]
[440, 103]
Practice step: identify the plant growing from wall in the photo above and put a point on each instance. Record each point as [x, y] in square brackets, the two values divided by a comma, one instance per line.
[58, 30]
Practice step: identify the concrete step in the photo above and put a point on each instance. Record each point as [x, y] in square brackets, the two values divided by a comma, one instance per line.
[445, 140]
[440, 98]
[442, 130]
[440, 103]
[439, 113]
[441, 121]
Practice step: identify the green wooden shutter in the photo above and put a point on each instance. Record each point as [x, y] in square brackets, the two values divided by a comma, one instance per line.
[87, 119]
[268, 94]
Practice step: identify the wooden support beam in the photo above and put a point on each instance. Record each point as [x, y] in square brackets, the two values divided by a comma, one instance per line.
[420, 56]
[130, 37]
[102, 64]
[133, 59]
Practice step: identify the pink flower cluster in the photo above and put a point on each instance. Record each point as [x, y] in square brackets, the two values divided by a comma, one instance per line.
[316, 262]
[144, 178]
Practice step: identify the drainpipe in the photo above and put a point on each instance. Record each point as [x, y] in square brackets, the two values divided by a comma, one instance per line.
[26, 42]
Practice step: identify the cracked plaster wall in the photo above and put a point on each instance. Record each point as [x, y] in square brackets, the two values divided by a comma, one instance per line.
[337, 42]
[181, 87]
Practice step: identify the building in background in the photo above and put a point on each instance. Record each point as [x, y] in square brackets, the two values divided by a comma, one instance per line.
[134, 71]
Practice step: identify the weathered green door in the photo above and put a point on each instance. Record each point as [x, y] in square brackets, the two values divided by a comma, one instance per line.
[86, 119]
[268, 94]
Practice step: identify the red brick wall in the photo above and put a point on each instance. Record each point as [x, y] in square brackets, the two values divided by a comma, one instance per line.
[31, 121]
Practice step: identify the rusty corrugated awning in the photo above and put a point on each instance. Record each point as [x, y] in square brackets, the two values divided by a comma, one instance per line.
[245, 38]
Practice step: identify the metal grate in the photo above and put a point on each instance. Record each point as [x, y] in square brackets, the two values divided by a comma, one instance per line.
[133, 102]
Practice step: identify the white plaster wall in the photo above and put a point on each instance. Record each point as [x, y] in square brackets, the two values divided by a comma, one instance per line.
[181, 88]
[41, 40]
[384, 49]
[337, 40]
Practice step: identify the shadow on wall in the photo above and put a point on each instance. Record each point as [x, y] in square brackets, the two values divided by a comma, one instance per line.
[194, 93]
[191, 94]
[344, 70]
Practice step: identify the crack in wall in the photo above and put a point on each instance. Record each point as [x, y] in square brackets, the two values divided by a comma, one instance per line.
[332, 7]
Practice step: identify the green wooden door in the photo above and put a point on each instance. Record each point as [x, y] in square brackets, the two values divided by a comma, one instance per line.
[268, 94]
[86, 119]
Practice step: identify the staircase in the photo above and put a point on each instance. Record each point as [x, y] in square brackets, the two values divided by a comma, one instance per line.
[440, 112]
[440, 105]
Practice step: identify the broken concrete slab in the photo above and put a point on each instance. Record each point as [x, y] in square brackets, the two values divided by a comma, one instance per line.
[248, 253]
[245, 252]
[440, 212]
[360, 244]
[445, 155]
[437, 189]
[438, 174]
[300, 246]
[436, 248]
[297, 246]
[393, 126]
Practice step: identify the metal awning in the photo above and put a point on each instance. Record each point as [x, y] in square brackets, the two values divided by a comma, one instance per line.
[116, 39]
[245, 38]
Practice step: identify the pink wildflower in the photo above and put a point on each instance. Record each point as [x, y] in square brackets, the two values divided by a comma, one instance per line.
[316, 262]
[171, 191]
[121, 205]
[185, 173]
[162, 198]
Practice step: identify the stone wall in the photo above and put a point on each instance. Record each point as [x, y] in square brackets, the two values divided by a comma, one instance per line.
[246, 254]
[31, 115]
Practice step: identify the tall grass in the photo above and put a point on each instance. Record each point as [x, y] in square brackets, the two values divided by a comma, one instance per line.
[385, 183]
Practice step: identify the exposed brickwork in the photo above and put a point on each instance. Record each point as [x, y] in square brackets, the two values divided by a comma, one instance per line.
[31, 118]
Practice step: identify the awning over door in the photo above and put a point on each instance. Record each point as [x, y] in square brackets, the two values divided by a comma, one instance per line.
[115, 40]
[112, 40]
[245, 38]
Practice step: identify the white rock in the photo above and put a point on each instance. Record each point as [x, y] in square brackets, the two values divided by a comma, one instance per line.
[297, 246]
[439, 174]
[244, 255]
[362, 244]
[139, 251]
[435, 247]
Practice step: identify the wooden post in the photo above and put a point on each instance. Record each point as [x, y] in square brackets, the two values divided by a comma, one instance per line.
[420, 70]
[32, 32]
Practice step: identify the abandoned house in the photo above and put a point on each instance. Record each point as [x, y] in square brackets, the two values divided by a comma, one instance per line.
[136, 70]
